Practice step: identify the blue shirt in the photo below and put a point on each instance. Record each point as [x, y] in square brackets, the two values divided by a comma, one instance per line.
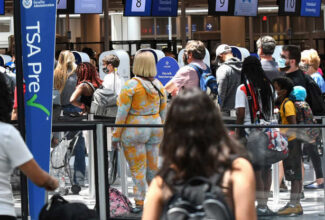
[319, 80]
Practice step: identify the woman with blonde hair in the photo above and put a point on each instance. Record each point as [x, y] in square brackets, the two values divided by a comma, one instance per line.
[65, 67]
[142, 100]
[309, 64]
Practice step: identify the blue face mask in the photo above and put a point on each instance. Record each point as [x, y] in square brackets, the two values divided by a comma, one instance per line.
[282, 63]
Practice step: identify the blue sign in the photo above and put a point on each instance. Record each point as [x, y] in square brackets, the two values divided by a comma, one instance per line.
[38, 41]
[209, 27]
[194, 28]
[137, 8]
[166, 8]
[166, 69]
[2, 7]
[310, 8]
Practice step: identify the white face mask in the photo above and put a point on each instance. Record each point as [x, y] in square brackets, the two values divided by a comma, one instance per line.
[304, 66]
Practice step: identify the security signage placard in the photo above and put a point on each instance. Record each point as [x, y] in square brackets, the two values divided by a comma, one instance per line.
[310, 8]
[137, 8]
[38, 42]
[166, 8]
[166, 69]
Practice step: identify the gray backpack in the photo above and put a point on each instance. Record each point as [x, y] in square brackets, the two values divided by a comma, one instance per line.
[104, 102]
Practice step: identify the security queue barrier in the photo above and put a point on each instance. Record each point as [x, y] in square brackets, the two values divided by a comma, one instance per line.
[98, 129]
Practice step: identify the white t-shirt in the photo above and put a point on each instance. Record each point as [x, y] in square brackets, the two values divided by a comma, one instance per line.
[109, 82]
[13, 153]
[241, 101]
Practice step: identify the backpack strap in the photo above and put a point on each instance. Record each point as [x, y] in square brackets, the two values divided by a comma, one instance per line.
[250, 102]
[90, 84]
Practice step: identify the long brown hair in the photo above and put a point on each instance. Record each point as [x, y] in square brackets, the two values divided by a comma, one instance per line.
[88, 72]
[195, 140]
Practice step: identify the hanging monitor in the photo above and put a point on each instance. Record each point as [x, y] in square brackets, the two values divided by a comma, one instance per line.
[310, 8]
[2, 7]
[245, 7]
[165, 8]
[88, 7]
[137, 8]
[289, 7]
[221, 7]
[62, 4]
[65, 6]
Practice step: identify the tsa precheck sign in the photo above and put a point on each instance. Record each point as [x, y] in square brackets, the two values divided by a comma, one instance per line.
[38, 39]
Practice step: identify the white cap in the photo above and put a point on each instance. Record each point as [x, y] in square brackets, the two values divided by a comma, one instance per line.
[223, 48]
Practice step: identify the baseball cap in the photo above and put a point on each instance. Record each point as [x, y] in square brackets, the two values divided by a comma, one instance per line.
[223, 48]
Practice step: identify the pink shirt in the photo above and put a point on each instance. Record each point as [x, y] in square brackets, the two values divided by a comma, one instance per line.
[186, 77]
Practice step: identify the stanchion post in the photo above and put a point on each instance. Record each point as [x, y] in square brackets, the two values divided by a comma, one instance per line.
[20, 99]
[102, 187]
[91, 160]
[323, 162]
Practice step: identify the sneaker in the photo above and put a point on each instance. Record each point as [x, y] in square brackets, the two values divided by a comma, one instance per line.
[291, 210]
[314, 186]
[264, 211]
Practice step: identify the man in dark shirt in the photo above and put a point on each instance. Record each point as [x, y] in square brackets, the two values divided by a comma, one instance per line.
[266, 46]
[292, 54]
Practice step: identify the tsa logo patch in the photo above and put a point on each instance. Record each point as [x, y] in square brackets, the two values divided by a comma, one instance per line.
[27, 3]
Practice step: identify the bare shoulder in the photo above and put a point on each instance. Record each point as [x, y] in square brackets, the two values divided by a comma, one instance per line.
[241, 164]
[241, 168]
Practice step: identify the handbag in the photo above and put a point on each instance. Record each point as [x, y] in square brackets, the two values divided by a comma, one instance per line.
[265, 145]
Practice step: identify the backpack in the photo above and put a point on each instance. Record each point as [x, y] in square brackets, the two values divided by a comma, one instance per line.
[198, 198]
[304, 115]
[104, 102]
[314, 96]
[119, 203]
[207, 79]
[59, 208]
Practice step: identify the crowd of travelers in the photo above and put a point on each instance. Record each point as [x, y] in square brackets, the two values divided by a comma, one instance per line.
[194, 144]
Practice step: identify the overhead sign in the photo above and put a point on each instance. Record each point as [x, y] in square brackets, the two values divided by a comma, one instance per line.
[38, 41]
[61, 4]
[289, 7]
[2, 7]
[166, 69]
[245, 8]
[166, 8]
[221, 7]
[137, 8]
[88, 7]
[310, 8]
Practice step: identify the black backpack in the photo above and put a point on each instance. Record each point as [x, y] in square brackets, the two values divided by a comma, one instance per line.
[199, 198]
[59, 208]
[314, 96]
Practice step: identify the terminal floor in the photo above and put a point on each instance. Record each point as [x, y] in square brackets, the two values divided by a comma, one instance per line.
[313, 203]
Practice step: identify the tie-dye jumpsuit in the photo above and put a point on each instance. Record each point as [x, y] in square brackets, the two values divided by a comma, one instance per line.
[140, 103]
